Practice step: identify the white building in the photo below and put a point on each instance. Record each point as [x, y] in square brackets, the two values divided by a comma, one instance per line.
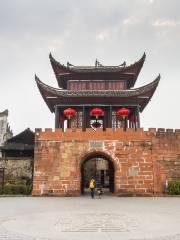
[5, 131]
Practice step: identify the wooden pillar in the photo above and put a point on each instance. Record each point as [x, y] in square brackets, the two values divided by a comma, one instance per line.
[84, 119]
[87, 118]
[130, 124]
[125, 125]
[62, 125]
[105, 118]
[109, 117]
[69, 123]
[57, 117]
[138, 118]
[135, 119]
[61, 118]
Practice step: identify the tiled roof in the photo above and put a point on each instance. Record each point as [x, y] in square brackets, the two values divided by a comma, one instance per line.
[64, 73]
[48, 93]
[72, 68]
[22, 141]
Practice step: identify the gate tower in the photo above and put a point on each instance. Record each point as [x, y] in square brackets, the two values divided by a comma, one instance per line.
[97, 131]
[97, 96]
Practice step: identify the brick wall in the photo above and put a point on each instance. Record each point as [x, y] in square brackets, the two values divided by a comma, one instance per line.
[143, 160]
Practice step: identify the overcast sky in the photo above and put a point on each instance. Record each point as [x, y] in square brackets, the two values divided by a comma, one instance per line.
[79, 31]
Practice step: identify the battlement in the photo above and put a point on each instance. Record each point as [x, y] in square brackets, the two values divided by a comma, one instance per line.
[142, 160]
[109, 134]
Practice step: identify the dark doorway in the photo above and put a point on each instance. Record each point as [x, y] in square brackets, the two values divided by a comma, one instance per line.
[100, 167]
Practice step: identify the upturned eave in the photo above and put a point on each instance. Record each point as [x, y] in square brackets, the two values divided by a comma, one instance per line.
[64, 73]
[140, 96]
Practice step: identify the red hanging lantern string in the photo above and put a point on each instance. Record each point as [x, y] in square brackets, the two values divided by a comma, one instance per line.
[96, 112]
[69, 113]
[123, 112]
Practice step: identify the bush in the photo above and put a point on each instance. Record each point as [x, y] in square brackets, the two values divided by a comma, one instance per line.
[27, 180]
[174, 187]
[1, 190]
[16, 189]
[21, 180]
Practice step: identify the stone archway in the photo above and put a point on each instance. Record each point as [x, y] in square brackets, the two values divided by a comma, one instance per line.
[99, 165]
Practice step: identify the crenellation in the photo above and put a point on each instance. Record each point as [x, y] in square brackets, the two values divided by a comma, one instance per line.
[160, 130]
[119, 133]
[152, 131]
[168, 130]
[48, 130]
[38, 130]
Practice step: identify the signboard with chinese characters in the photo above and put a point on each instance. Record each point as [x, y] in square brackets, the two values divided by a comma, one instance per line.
[96, 144]
[133, 172]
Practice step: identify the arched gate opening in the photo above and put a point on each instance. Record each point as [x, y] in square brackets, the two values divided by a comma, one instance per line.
[101, 167]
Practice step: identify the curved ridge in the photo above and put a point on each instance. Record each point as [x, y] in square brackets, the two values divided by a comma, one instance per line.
[73, 68]
[61, 71]
[153, 83]
[122, 93]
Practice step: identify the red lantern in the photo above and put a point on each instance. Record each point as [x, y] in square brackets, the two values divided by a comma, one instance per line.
[69, 113]
[123, 112]
[96, 112]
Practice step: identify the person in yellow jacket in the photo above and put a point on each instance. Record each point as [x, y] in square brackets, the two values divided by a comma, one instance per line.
[92, 187]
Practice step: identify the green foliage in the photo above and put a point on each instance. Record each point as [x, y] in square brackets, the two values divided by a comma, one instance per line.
[1, 190]
[27, 180]
[22, 180]
[174, 187]
[16, 185]
[9, 179]
[15, 190]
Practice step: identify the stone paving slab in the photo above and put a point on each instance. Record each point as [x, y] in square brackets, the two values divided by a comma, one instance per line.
[109, 218]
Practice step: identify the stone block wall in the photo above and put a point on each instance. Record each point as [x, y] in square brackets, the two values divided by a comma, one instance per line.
[143, 160]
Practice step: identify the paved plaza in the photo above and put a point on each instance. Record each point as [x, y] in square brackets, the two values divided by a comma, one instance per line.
[109, 218]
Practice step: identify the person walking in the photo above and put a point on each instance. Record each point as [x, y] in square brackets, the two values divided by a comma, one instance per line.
[99, 192]
[92, 187]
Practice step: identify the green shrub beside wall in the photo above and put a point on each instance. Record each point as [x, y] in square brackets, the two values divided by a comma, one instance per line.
[174, 187]
[16, 189]
[1, 190]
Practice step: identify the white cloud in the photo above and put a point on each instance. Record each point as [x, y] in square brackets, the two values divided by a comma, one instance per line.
[79, 31]
[101, 36]
[166, 23]
[131, 21]
[151, 1]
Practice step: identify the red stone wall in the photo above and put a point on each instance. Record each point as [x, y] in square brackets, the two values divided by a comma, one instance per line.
[143, 160]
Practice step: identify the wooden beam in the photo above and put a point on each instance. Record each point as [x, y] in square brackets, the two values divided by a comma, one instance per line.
[56, 117]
